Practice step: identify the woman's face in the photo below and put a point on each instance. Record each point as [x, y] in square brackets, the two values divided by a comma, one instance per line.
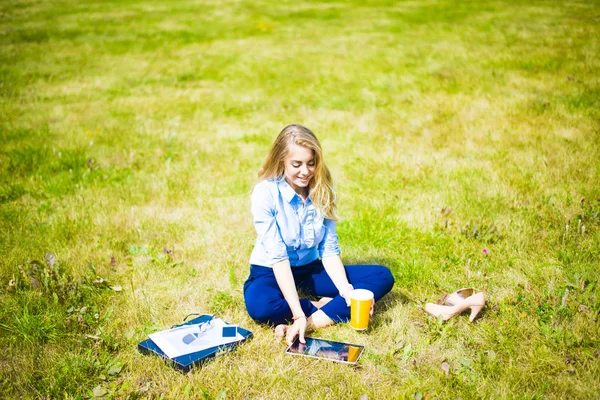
[299, 168]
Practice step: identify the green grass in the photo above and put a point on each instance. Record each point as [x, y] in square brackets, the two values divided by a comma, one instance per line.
[132, 128]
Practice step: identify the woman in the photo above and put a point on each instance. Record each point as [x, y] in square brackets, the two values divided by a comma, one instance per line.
[293, 207]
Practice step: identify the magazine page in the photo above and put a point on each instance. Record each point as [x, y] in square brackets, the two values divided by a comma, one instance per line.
[188, 339]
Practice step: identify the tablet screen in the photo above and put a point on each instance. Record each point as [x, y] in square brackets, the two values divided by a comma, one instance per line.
[326, 349]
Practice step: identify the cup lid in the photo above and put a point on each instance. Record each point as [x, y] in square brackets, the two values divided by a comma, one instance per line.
[361, 294]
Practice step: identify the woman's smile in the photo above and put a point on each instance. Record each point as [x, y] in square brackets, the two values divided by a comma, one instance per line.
[299, 168]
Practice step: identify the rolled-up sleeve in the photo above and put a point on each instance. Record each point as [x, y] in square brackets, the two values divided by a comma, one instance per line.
[264, 213]
[329, 245]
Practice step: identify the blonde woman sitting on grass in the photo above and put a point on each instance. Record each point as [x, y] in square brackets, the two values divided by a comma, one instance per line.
[293, 206]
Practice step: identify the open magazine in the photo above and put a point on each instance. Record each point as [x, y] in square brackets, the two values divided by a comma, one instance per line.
[192, 338]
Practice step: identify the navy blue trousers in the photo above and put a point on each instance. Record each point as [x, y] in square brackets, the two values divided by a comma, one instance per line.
[265, 302]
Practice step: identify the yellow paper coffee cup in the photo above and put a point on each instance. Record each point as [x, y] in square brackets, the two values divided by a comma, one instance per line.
[360, 308]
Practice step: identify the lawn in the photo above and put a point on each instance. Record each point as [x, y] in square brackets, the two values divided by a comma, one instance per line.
[463, 138]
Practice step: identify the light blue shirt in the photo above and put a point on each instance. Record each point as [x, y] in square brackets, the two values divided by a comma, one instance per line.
[289, 228]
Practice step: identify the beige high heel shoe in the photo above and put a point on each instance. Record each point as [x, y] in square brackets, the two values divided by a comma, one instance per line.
[475, 302]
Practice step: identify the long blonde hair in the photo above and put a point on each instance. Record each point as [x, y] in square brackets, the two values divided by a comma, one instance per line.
[320, 187]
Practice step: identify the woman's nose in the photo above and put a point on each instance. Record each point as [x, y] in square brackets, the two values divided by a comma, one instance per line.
[304, 170]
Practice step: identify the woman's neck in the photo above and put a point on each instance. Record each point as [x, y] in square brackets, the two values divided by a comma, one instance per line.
[303, 193]
[300, 191]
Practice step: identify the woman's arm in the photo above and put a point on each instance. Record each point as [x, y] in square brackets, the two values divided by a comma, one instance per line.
[285, 280]
[283, 275]
[329, 250]
[264, 211]
[335, 269]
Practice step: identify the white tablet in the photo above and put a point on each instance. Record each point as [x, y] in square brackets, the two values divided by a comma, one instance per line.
[327, 350]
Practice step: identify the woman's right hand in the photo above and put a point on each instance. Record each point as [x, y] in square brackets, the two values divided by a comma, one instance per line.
[298, 328]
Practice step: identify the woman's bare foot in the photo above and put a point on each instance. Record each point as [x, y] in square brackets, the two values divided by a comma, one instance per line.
[280, 330]
[321, 302]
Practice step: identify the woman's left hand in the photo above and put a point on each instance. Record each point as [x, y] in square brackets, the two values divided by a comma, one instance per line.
[346, 294]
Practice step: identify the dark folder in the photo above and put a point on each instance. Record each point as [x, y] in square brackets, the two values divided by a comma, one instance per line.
[187, 361]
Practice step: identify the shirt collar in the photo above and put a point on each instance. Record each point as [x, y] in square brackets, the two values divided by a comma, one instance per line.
[286, 190]
[288, 193]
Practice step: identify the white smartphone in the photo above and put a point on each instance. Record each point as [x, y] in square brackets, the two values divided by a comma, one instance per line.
[327, 350]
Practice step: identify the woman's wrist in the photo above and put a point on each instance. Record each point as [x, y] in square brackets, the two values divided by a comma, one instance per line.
[297, 317]
[346, 289]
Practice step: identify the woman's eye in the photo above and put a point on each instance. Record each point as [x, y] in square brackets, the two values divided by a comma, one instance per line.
[311, 164]
[296, 165]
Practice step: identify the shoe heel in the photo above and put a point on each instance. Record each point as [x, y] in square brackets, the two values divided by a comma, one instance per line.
[479, 300]
[474, 311]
